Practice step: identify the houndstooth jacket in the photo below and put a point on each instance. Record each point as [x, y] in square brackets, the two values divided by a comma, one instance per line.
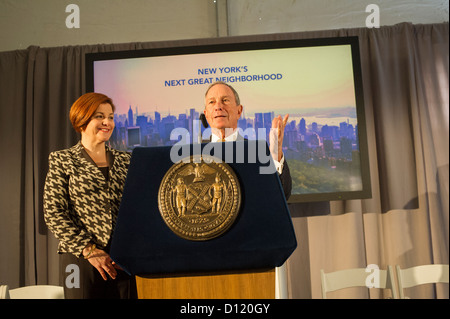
[80, 204]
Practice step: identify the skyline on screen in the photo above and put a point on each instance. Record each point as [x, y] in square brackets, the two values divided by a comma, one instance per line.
[315, 85]
[304, 82]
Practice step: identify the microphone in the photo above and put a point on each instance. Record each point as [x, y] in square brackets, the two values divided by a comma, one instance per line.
[203, 119]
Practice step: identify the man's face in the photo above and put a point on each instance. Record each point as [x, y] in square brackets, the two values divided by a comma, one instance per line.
[221, 110]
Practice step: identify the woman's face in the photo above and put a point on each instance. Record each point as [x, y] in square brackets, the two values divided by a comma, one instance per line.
[101, 125]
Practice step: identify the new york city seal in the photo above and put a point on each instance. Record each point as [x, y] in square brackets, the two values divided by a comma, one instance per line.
[199, 198]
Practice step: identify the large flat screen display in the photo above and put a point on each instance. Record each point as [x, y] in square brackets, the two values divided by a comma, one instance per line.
[316, 81]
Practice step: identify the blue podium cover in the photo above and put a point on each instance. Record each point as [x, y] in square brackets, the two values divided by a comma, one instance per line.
[262, 235]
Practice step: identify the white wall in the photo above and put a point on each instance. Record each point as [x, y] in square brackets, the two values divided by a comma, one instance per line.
[278, 16]
[43, 22]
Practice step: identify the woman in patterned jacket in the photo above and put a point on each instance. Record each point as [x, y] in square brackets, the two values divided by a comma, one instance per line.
[82, 194]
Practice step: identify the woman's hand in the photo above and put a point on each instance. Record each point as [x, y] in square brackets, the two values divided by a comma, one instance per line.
[101, 261]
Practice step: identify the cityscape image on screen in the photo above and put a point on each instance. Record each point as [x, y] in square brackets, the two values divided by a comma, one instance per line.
[316, 85]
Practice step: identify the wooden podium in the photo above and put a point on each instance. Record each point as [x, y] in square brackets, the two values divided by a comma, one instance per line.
[254, 284]
[241, 263]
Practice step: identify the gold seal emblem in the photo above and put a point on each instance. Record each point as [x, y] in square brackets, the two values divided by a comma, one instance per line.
[198, 199]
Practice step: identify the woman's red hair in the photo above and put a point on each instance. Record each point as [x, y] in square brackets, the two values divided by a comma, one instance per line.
[84, 108]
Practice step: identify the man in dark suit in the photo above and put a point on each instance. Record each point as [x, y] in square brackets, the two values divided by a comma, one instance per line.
[223, 110]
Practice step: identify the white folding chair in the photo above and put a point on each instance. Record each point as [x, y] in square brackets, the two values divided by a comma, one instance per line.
[37, 292]
[419, 275]
[4, 292]
[358, 277]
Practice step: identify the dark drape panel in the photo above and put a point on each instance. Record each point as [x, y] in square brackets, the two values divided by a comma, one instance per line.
[13, 83]
[405, 78]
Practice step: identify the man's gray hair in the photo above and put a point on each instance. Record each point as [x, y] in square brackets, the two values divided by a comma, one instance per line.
[236, 95]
